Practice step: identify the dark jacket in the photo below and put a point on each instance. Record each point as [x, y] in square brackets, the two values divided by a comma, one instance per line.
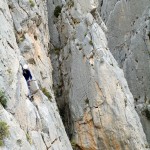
[27, 74]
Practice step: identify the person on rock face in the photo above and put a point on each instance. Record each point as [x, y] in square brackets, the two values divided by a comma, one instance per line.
[27, 75]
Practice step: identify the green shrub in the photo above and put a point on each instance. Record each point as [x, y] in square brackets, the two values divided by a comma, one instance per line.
[29, 138]
[32, 4]
[85, 34]
[73, 144]
[9, 71]
[91, 43]
[21, 39]
[87, 101]
[4, 132]
[3, 99]
[56, 50]
[70, 3]
[57, 11]
[46, 93]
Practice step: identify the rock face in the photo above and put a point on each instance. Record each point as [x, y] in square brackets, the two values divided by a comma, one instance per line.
[88, 81]
[24, 37]
[93, 97]
[128, 24]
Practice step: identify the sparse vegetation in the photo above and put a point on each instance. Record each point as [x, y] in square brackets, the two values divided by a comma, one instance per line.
[31, 61]
[9, 71]
[3, 99]
[56, 50]
[73, 144]
[4, 132]
[57, 11]
[29, 138]
[85, 34]
[70, 3]
[32, 4]
[87, 101]
[91, 43]
[46, 93]
[22, 38]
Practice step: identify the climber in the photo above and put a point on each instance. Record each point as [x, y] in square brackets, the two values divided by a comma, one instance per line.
[27, 75]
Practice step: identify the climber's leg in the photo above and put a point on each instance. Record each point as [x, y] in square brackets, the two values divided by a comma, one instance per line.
[29, 92]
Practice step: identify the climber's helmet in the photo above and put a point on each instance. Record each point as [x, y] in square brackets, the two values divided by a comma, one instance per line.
[25, 66]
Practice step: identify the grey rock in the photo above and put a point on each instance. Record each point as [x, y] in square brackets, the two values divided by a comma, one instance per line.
[24, 38]
[102, 113]
[128, 26]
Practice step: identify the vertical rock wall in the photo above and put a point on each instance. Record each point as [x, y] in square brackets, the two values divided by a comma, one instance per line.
[87, 77]
[128, 24]
[24, 37]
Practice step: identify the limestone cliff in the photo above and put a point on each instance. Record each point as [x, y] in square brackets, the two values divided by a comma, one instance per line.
[24, 37]
[90, 88]
[128, 24]
[83, 39]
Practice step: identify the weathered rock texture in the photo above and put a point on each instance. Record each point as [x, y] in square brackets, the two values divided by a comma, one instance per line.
[128, 24]
[92, 93]
[24, 38]
[87, 77]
